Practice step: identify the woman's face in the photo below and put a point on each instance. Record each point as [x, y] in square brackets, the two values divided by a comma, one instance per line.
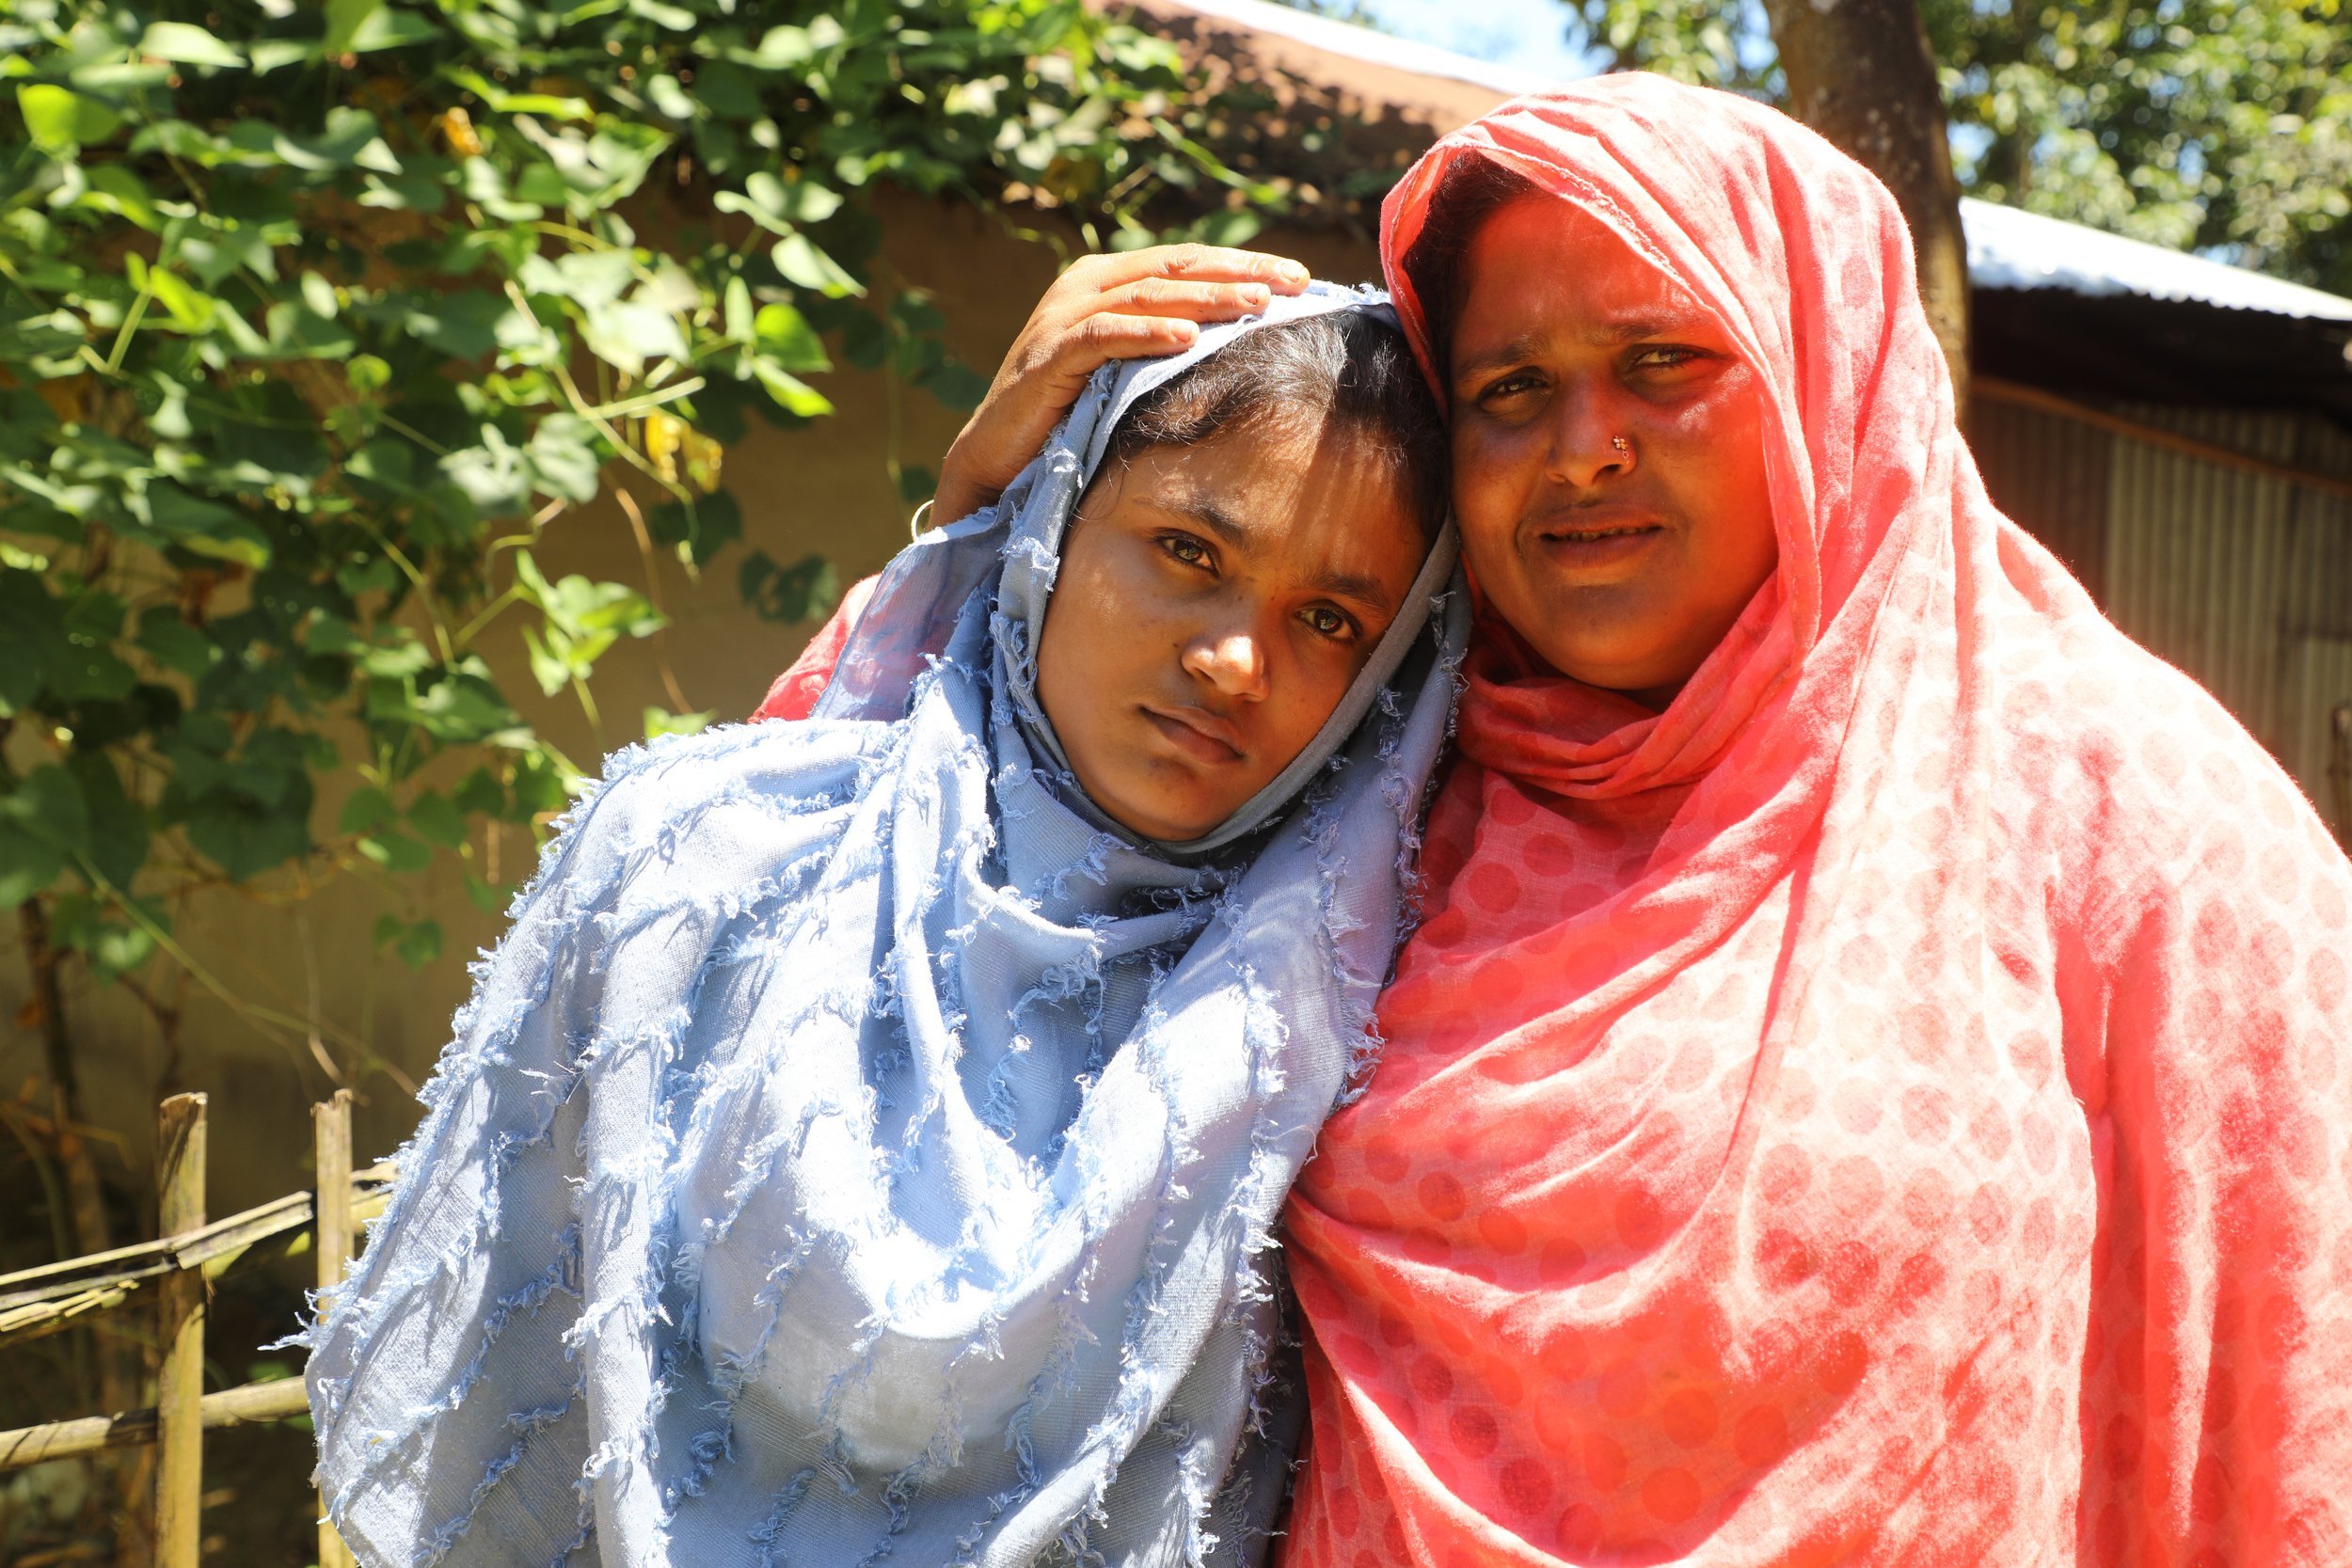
[1608, 455]
[1214, 604]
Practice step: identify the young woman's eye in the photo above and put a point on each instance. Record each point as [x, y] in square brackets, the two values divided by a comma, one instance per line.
[1185, 547]
[1328, 622]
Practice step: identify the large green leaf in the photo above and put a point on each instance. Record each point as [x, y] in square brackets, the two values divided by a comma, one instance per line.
[90, 925]
[27, 864]
[244, 837]
[166, 637]
[118, 830]
[72, 640]
[804, 590]
[700, 526]
[185, 43]
[793, 395]
[47, 805]
[799, 260]
[385, 28]
[628, 336]
[786, 341]
[438, 820]
[60, 119]
[206, 526]
[32, 636]
[246, 806]
[53, 332]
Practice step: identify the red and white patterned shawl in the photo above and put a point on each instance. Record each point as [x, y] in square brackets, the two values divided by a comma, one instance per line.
[1896, 1105]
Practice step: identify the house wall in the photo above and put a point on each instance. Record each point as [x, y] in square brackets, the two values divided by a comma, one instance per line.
[2052, 475]
[2242, 580]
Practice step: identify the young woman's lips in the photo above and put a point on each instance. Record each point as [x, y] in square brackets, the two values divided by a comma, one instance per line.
[1201, 735]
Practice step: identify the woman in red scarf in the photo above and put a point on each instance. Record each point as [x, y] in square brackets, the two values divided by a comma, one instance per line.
[1875, 1083]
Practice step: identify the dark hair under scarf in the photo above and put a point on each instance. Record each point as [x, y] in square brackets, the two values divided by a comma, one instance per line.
[1349, 371]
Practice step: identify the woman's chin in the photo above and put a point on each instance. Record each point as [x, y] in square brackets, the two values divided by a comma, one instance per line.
[1166, 822]
[1165, 798]
[1165, 833]
[1631, 672]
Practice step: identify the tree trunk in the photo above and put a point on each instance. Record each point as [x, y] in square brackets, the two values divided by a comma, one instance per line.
[91, 1232]
[1860, 72]
[115, 1359]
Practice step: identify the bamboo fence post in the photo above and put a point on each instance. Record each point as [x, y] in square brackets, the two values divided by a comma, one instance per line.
[331, 1125]
[180, 1388]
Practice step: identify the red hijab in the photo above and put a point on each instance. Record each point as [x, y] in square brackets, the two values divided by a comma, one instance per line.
[1893, 1106]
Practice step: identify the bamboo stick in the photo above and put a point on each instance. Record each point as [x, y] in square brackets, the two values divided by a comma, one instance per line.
[213, 1246]
[249, 1406]
[331, 1132]
[36, 1301]
[331, 1128]
[22, 1323]
[180, 1150]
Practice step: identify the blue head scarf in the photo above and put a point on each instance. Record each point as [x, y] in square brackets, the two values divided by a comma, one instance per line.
[860, 1147]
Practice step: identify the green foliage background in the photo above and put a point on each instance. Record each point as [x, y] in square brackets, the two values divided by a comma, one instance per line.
[315, 319]
[2197, 124]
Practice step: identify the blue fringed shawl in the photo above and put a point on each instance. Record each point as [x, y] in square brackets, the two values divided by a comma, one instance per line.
[858, 1148]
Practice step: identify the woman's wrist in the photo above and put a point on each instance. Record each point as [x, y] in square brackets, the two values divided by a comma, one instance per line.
[955, 500]
[962, 491]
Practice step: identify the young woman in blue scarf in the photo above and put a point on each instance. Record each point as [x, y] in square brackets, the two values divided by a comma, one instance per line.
[865, 1141]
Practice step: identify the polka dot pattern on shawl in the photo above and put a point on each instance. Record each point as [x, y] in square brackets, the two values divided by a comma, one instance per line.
[1917, 1130]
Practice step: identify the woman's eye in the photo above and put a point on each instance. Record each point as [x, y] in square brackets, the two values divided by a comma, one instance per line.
[1329, 621]
[1192, 552]
[1664, 356]
[1510, 385]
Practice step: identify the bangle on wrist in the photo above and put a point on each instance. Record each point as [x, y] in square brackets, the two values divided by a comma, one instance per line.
[914, 524]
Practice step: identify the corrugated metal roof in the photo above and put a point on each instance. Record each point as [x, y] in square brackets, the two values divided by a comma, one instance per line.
[2013, 249]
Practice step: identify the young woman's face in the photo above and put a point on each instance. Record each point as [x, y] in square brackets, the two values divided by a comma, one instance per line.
[1213, 605]
[1608, 456]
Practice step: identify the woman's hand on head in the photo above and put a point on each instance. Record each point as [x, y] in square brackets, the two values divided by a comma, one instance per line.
[1127, 305]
